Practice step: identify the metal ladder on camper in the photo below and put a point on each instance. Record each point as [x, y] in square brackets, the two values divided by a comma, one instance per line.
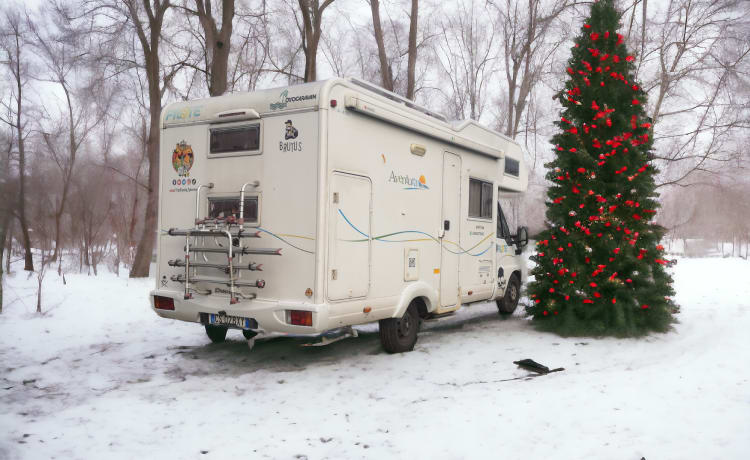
[230, 228]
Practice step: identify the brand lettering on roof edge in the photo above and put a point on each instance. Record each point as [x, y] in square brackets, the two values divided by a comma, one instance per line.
[285, 99]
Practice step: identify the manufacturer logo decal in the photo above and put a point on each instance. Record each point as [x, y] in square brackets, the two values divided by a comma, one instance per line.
[285, 99]
[186, 113]
[409, 182]
[182, 159]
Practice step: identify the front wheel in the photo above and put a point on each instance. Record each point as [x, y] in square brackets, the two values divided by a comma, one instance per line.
[400, 334]
[217, 334]
[508, 303]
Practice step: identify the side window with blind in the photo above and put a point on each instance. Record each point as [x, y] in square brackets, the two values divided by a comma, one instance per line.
[480, 199]
[235, 140]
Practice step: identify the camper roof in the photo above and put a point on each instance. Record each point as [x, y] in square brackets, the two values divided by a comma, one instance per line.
[365, 96]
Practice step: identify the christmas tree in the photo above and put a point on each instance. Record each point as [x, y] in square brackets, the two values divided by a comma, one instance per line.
[600, 268]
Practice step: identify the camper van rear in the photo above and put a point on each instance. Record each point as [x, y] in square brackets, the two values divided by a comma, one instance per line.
[320, 206]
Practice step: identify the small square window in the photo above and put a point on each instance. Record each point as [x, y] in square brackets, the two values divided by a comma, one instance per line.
[512, 167]
[224, 207]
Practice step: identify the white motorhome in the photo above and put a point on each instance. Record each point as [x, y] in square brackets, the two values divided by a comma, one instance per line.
[316, 207]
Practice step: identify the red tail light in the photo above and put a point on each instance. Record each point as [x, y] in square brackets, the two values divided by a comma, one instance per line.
[163, 303]
[300, 318]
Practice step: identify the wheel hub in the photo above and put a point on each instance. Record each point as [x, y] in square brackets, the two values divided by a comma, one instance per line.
[404, 326]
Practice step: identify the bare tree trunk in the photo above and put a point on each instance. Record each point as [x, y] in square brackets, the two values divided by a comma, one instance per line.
[67, 172]
[9, 245]
[412, 61]
[217, 43]
[312, 19]
[21, 199]
[150, 48]
[40, 274]
[5, 220]
[21, 211]
[386, 77]
[643, 27]
[145, 250]
[4, 223]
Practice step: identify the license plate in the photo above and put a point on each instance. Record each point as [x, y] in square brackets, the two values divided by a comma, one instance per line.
[230, 321]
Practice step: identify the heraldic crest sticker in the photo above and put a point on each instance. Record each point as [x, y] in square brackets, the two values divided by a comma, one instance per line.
[182, 159]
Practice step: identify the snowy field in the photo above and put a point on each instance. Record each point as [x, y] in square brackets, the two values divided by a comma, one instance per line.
[100, 376]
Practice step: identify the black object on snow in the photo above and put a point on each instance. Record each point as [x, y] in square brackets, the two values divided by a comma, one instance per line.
[533, 366]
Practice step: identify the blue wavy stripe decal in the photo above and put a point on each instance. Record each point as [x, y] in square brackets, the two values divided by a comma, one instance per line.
[285, 241]
[353, 226]
[382, 238]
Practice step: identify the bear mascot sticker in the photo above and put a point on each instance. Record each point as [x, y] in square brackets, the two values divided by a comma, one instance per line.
[182, 159]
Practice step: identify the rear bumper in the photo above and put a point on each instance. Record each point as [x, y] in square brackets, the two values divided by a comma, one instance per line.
[271, 316]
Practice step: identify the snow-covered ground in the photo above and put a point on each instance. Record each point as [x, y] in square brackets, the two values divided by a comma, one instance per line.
[100, 376]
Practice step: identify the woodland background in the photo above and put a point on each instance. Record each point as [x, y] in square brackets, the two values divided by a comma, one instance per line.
[82, 84]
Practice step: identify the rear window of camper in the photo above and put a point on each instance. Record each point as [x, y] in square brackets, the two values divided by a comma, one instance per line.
[480, 199]
[235, 139]
[512, 167]
[224, 207]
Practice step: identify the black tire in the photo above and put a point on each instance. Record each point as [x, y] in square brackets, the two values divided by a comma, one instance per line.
[249, 334]
[400, 334]
[507, 304]
[217, 334]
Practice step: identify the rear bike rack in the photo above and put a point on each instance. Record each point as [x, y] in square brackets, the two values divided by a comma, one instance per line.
[230, 228]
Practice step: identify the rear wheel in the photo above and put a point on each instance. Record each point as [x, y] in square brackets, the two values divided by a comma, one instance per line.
[400, 334]
[217, 334]
[508, 303]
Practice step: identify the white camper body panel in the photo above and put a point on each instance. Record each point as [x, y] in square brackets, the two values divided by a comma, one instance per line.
[368, 200]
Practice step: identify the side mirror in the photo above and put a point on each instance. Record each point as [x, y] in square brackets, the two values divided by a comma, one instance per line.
[522, 237]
